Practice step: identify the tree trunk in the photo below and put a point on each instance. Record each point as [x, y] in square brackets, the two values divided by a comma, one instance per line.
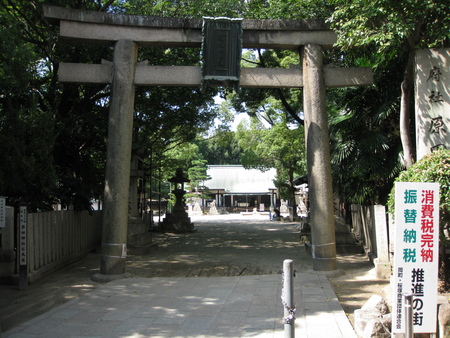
[405, 111]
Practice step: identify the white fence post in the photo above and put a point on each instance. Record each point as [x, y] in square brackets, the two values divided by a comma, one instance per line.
[287, 298]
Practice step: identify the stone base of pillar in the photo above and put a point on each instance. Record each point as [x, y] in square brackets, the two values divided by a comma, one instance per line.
[323, 256]
[140, 239]
[112, 265]
[178, 222]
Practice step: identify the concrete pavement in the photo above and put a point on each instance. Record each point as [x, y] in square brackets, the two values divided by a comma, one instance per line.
[246, 306]
[236, 306]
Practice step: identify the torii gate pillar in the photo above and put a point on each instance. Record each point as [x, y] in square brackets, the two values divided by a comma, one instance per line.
[323, 238]
[127, 32]
[118, 158]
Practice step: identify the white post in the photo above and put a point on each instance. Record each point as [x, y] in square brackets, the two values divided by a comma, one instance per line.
[287, 297]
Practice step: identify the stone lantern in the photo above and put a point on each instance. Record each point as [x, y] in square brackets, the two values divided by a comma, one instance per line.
[178, 220]
[179, 179]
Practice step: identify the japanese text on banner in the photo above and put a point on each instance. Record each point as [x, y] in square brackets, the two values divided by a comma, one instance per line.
[416, 254]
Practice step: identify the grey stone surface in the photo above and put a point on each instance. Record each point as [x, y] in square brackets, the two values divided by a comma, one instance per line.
[118, 158]
[378, 327]
[194, 307]
[181, 37]
[190, 76]
[382, 263]
[432, 99]
[377, 304]
[372, 319]
[59, 13]
[323, 241]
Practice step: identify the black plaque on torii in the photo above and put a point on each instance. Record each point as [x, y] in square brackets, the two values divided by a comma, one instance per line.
[221, 52]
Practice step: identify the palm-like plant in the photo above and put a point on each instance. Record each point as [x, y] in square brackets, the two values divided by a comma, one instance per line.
[365, 146]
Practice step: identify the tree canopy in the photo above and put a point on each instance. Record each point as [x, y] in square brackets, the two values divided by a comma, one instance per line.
[54, 134]
[389, 29]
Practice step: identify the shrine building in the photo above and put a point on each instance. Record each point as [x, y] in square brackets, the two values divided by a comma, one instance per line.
[236, 189]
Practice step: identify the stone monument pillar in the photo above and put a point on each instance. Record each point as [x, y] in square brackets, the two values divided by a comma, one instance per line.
[323, 245]
[118, 157]
[382, 263]
[432, 100]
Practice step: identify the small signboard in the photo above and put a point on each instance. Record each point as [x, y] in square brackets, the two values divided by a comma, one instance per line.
[23, 235]
[2, 212]
[416, 254]
[221, 51]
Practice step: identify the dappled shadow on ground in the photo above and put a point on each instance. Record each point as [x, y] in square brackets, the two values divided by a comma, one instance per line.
[233, 248]
[17, 306]
[358, 284]
[352, 293]
[218, 248]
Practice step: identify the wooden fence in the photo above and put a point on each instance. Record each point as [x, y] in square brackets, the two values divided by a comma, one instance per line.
[57, 238]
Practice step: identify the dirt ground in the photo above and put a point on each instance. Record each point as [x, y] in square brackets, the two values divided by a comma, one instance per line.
[221, 246]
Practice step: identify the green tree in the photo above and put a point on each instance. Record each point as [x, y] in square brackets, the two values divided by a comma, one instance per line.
[364, 134]
[198, 174]
[277, 147]
[27, 171]
[64, 124]
[220, 148]
[388, 28]
[186, 9]
[73, 118]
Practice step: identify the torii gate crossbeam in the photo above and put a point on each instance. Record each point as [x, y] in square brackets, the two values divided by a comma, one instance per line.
[127, 33]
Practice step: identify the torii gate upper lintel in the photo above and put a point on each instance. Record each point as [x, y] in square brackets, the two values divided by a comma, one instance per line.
[128, 33]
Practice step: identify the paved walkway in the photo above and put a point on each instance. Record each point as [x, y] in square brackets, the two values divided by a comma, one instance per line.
[246, 306]
[238, 306]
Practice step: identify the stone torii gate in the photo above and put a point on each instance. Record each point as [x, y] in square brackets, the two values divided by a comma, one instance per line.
[128, 32]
